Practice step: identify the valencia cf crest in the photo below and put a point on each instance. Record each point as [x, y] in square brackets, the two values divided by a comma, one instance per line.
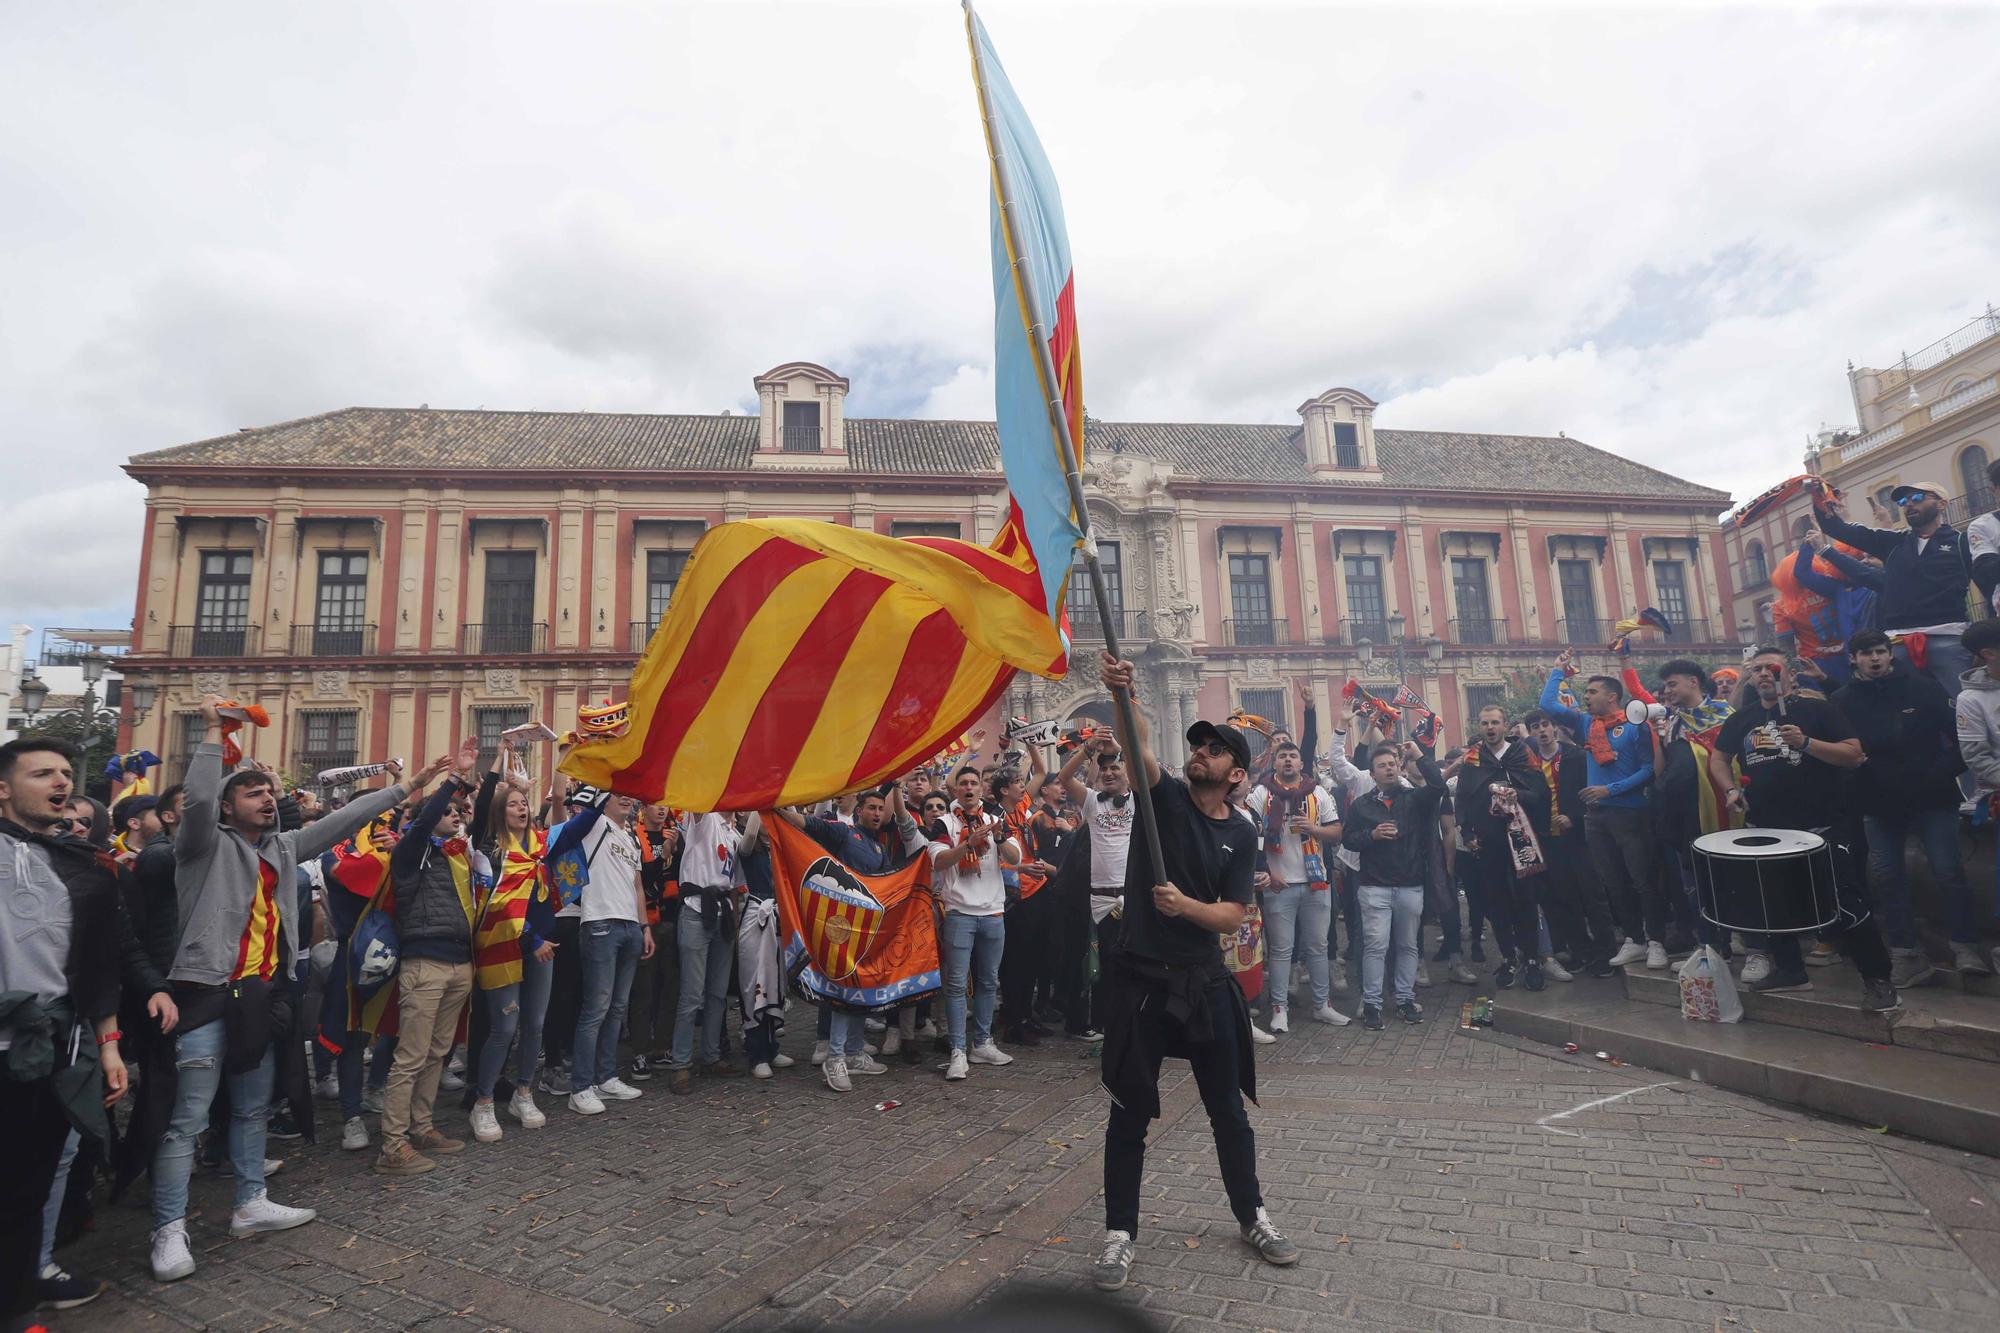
[842, 918]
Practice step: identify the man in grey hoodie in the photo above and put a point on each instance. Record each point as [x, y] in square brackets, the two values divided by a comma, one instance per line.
[1979, 714]
[234, 873]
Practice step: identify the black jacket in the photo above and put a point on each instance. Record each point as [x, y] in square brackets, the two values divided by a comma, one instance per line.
[153, 900]
[1473, 802]
[1405, 859]
[1918, 589]
[1910, 734]
[430, 920]
[91, 877]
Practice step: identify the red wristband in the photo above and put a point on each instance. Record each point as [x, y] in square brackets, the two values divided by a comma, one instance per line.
[109, 1037]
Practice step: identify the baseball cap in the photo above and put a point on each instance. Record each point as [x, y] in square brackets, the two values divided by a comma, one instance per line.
[1202, 733]
[1909, 488]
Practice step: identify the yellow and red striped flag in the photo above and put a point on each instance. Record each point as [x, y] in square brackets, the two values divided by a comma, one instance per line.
[801, 659]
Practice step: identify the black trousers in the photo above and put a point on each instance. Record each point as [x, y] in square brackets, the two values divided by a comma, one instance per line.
[1510, 900]
[1215, 1070]
[1025, 959]
[1853, 931]
[1578, 919]
[1628, 869]
[36, 1130]
[565, 991]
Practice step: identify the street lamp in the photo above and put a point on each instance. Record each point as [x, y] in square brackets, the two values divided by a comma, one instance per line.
[143, 695]
[1433, 649]
[34, 693]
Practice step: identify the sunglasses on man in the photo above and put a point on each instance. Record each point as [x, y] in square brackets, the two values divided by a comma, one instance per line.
[1903, 501]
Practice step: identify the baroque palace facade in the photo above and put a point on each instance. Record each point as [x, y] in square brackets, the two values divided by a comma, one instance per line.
[386, 580]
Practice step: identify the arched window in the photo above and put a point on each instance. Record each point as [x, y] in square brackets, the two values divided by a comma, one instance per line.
[1972, 463]
[1756, 569]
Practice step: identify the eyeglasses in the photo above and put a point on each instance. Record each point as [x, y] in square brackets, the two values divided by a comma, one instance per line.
[1216, 748]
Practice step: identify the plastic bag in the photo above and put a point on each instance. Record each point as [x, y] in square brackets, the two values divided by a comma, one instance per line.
[1708, 992]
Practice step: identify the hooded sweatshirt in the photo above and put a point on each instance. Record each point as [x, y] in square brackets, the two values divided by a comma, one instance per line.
[1979, 727]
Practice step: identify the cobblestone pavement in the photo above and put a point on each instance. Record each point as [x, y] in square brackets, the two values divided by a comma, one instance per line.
[1433, 1178]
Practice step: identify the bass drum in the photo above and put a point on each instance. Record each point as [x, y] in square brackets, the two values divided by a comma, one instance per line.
[1766, 881]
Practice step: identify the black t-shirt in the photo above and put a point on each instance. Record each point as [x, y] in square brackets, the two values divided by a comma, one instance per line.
[1810, 794]
[1210, 860]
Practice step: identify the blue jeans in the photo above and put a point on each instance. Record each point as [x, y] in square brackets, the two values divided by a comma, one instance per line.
[1386, 913]
[972, 949]
[610, 956]
[198, 1064]
[1939, 831]
[52, 1210]
[1296, 918]
[347, 1069]
[705, 959]
[848, 1035]
[518, 1008]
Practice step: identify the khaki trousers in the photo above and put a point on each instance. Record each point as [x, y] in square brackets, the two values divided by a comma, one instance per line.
[430, 995]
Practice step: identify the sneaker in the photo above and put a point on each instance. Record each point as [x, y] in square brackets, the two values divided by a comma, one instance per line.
[402, 1160]
[1776, 982]
[1822, 954]
[1423, 979]
[893, 1043]
[1371, 1017]
[57, 1290]
[1555, 971]
[761, 1069]
[680, 1082]
[1326, 1013]
[485, 1125]
[1462, 974]
[172, 1260]
[873, 1025]
[955, 1068]
[724, 1068]
[456, 1065]
[1599, 967]
[1411, 1011]
[986, 1053]
[1909, 967]
[1088, 1034]
[272, 1166]
[1263, 1236]
[450, 1082]
[1531, 975]
[555, 1080]
[262, 1214]
[928, 1029]
[641, 1069]
[434, 1140]
[371, 1101]
[1756, 966]
[1114, 1263]
[1879, 996]
[1280, 1020]
[1965, 957]
[522, 1107]
[283, 1126]
[1630, 952]
[327, 1089]
[782, 1061]
[835, 1072]
[870, 1048]
[866, 1064]
[1338, 979]
[1503, 976]
[1259, 1037]
[1656, 955]
[588, 1102]
[819, 1053]
[617, 1089]
[354, 1134]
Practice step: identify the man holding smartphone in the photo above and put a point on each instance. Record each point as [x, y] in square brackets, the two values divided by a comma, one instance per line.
[1390, 830]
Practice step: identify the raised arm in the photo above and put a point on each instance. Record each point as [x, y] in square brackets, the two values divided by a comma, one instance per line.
[1072, 785]
[201, 790]
[1811, 579]
[1864, 575]
[1552, 704]
[1875, 541]
[1117, 675]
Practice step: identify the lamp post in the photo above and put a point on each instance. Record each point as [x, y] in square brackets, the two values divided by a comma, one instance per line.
[34, 693]
[1433, 653]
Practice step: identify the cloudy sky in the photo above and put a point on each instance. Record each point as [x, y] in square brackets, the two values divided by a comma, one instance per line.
[1664, 230]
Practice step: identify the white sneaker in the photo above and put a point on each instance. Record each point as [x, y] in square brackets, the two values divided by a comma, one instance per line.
[1259, 1037]
[866, 1064]
[955, 1068]
[456, 1065]
[450, 1082]
[272, 1166]
[893, 1043]
[522, 1107]
[928, 1029]
[1555, 971]
[1756, 966]
[870, 1048]
[261, 1214]
[327, 1089]
[1280, 1020]
[618, 1090]
[835, 1070]
[1326, 1013]
[819, 1053]
[1965, 957]
[354, 1134]
[586, 1102]
[873, 1025]
[986, 1053]
[1656, 955]
[1910, 968]
[782, 1061]
[172, 1260]
[1462, 974]
[1423, 973]
[1339, 978]
[371, 1101]
[760, 1070]
[1631, 952]
[485, 1125]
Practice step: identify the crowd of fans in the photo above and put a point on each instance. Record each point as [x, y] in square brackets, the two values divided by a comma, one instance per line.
[573, 944]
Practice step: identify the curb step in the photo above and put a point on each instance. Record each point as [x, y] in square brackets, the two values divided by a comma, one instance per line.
[1944, 1098]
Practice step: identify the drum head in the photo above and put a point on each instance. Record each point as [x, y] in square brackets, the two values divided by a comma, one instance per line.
[1754, 843]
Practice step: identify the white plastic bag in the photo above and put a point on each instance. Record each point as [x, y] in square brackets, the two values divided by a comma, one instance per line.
[1708, 992]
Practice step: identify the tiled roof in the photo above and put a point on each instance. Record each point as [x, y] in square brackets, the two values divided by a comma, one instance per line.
[598, 441]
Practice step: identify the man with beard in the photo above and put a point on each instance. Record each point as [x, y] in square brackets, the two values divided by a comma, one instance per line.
[1575, 909]
[1925, 572]
[1498, 779]
[1170, 993]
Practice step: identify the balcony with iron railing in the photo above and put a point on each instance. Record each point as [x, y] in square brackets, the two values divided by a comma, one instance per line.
[1086, 625]
[800, 439]
[209, 641]
[329, 641]
[1582, 631]
[1353, 631]
[1256, 633]
[504, 639]
[639, 634]
[1477, 631]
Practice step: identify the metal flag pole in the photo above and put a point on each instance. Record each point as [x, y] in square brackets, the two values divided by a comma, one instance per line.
[1038, 335]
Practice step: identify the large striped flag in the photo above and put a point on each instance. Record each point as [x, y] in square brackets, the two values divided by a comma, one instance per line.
[801, 659]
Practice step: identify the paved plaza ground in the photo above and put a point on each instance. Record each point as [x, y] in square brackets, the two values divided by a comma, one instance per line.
[1434, 1179]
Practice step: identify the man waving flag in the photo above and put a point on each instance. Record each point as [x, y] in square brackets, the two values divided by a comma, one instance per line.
[801, 659]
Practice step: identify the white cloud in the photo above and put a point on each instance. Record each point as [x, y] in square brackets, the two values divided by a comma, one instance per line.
[71, 555]
[1661, 230]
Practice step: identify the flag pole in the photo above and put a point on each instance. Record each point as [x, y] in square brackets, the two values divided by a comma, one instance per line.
[1038, 335]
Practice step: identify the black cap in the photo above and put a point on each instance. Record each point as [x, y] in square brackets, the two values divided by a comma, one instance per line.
[1201, 733]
